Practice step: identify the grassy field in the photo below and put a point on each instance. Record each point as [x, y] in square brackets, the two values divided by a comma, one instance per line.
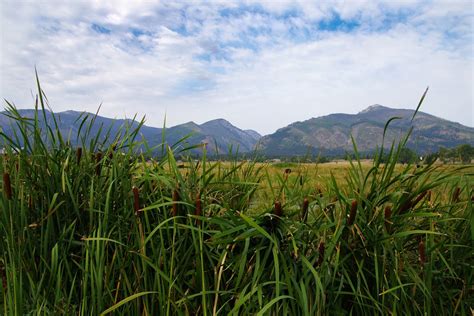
[96, 229]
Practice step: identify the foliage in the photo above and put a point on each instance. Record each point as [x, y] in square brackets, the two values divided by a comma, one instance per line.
[99, 229]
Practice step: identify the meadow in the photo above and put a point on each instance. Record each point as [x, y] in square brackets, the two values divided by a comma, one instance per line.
[97, 229]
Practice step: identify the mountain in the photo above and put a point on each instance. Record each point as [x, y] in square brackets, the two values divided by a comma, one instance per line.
[331, 134]
[218, 132]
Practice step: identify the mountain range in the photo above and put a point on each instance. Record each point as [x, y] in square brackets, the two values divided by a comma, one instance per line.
[327, 135]
[331, 134]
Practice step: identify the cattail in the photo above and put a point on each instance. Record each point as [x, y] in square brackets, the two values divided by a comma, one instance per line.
[353, 213]
[30, 202]
[304, 213]
[422, 252]
[175, 204]
[7, 186]
[198, 209]
[388, 217]
[456, 194]
[98, 158]
[321, 253]
[4, 278]
[78, 154]
[111, 151]
[419, 198]
[277, 209]
[405, 206]
[136, 200]
[287, 171]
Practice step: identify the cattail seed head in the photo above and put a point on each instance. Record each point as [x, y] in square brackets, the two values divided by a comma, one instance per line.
[277, 209]
[321, 253]
[4, 277]
[175, 204]
[304, 211]
[7, 186]
[98, 159]
[419, 198]
[136, 200]
[287, 171]
[422, 252]
[456, 194]
[198, 209]
[78, 154]
[352, 214]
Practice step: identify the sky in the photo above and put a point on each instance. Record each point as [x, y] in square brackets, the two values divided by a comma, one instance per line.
[259, 64]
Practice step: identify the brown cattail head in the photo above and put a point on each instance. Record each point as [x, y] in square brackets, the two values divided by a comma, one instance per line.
[287, 171]
[388, 217]
[419, 198]
[174, 211]
[277, 209]
[4, 277]
[7, 186]
[405, 206]
[456, 194]
[352, 214]
[304, 211]
[98, 159]
[78, 154]
[321, 253]
[198, 210]
[422, 252]
[136, 200]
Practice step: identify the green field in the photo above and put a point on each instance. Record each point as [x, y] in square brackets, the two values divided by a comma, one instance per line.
[101, 230]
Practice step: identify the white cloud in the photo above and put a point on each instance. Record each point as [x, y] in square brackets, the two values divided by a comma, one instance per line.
[193, 63]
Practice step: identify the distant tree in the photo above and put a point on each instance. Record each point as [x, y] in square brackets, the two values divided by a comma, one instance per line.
[465, 153]
[407, 156]
[431, 158]
[443, 154]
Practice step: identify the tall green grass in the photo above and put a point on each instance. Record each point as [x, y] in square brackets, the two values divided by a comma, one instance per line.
[101, 230]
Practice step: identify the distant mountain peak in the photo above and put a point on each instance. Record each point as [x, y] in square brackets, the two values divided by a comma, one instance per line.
[374, 107]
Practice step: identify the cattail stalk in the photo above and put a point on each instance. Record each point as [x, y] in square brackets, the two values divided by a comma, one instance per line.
[136, 200]
[321, 253]
[352, 214]
[98, 159]
[277, 209]
[175, 208]
[198, 209]
[422, 252]
[304, 213]
[456, 194]
[78, 154]
[7, 186]
[419, 198]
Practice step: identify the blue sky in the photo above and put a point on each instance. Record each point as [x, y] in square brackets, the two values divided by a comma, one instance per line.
[259, 64]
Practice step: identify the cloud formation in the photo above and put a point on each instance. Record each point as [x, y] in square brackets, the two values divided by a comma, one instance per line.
[259, 64]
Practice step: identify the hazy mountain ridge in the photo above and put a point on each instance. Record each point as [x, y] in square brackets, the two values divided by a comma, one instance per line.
[331, 134]
[218, 132]
[327, 135]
